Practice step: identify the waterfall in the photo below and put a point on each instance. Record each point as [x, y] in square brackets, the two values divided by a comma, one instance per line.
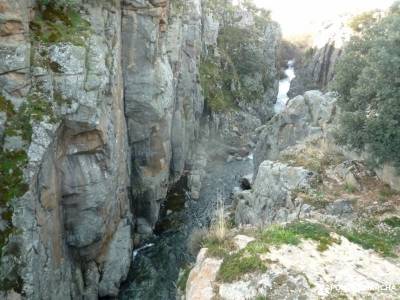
[284, 86]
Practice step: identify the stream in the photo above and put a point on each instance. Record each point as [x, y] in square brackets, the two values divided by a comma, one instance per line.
[156, 264]
[284, 86]
[157, 261]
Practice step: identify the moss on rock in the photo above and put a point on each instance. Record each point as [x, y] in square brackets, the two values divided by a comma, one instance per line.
[56, 24]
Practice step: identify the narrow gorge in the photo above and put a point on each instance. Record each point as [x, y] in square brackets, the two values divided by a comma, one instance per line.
[146, 143]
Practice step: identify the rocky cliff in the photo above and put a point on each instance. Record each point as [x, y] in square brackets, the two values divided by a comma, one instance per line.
[163, 99]
[317, 66]
[102, 110]
[63, 92]
[312, 221]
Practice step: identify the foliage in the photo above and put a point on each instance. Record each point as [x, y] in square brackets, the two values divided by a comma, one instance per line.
[237, 264]
[60, 23]
[364, 21]
[293, 233]
[367, 80]
[12, 163]
[227, 78]
[218, 248]
[313, 231]
[214, 82]
[382, 242]
[393, 222]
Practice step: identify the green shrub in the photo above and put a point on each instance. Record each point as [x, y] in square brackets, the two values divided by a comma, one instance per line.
[313, 231]
[367, 80]
[294, 232]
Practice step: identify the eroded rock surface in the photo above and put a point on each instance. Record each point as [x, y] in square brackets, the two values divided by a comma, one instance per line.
[271, 199]
[304, 116]
[76, 207]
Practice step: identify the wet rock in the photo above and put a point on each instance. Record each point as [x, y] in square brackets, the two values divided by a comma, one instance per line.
[230, 158]
[243, 152]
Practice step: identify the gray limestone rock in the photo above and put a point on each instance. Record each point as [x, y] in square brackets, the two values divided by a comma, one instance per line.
[117, 261]
[304, 116]
[270, 199]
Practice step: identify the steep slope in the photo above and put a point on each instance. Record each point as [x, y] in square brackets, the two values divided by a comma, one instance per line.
[101, 112]
[63, 91]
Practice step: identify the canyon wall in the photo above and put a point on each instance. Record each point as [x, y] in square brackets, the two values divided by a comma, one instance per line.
[317, 67]
[63, 93]
[101, 111]
[163, 99]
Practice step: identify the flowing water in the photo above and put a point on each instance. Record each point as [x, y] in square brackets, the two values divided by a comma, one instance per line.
[156, 263]
[284, 86]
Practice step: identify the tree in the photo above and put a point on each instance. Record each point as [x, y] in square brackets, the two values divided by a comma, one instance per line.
[368, 82]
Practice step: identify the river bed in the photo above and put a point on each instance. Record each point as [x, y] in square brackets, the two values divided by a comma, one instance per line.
[155, 268]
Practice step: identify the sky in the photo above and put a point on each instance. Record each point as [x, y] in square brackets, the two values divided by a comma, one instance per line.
[304, 16]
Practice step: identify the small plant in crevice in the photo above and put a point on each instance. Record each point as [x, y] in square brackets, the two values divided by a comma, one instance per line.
[349, 188]
[218, 240]
[220, 226]
[61, 22]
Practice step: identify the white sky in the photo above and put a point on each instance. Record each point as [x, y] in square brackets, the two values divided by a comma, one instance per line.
[301, 16]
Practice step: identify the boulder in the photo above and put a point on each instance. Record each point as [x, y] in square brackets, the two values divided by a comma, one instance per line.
[200, 282]
[340, 208]
[304, 116]
[270, 200]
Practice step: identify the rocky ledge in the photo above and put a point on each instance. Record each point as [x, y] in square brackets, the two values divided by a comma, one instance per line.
[316, 224]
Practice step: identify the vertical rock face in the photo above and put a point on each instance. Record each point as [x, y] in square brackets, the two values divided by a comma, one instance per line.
[100, 101]
[239, 73]
[75, 216]
[318, 68]
[270, 201]
[163, 100]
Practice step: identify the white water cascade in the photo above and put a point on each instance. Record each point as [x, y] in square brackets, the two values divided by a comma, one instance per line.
[284, 86]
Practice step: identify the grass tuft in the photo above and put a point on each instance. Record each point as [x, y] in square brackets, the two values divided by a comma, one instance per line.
[393, 222]
[240, 263]
[382, 242]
